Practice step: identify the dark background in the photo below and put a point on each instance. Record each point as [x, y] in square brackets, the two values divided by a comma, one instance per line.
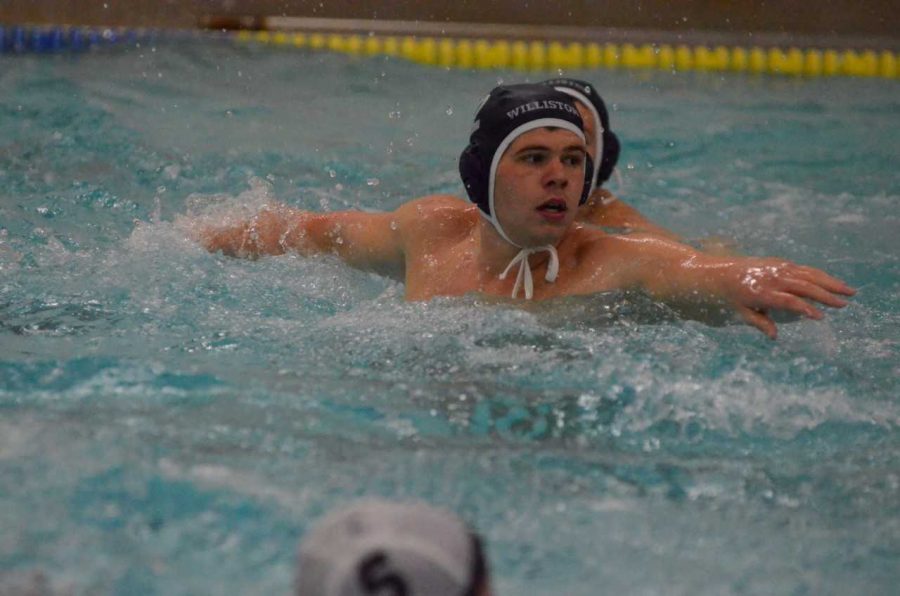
[875, 18]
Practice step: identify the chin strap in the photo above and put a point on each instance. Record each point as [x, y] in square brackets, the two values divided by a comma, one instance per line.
[525, 269]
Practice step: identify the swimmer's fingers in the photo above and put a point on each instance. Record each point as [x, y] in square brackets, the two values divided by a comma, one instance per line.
[813, 291]
[820, 278]
[758, 319]
[781, 300]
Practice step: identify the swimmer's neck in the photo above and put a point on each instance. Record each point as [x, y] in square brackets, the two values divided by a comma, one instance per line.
[494, 252]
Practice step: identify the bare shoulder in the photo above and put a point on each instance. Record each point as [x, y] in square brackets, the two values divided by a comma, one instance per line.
[605, 209]
[447, 212]
[591, 242]
[444, 204]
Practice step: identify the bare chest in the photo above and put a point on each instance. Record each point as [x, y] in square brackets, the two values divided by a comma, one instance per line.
[454, 271]
[448, 270]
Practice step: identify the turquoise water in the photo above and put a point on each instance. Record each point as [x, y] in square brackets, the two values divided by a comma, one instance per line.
[172, 421]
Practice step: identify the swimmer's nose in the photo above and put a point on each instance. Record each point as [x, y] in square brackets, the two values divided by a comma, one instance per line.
[555, 173]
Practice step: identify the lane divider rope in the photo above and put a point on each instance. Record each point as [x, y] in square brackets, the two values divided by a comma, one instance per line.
[464, 53]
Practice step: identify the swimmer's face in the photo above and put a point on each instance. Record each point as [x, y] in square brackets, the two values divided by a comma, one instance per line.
[590, 126]
[538, 185]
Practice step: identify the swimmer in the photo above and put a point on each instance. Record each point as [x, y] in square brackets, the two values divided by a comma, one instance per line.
[376, 547]
[602, 208]
[526, 169]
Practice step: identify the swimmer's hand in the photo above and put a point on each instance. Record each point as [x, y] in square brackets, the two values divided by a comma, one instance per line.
[757, 286]
[266, 233]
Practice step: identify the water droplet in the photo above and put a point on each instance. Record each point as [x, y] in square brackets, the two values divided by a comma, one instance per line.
[373, 182]
[449, 110]
[394, 225]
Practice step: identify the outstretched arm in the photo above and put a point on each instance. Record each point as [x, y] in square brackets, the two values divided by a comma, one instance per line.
[752, 286]
[371, 241]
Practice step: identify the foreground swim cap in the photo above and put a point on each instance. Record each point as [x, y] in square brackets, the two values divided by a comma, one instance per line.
[377, 547]
[508, 112]
[606, 147]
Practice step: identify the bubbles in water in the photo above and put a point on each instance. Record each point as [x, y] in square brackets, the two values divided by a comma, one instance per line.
[449, 110]
[332, 173]
[394, 115]
[372, 182]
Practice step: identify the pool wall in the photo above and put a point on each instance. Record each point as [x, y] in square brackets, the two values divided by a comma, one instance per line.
[866, 18]
[839, 38]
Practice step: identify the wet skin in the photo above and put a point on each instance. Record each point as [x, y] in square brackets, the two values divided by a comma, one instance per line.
[602, 207]
[441, 245]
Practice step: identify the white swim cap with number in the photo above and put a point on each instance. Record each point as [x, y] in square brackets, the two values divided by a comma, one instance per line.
[381, 548]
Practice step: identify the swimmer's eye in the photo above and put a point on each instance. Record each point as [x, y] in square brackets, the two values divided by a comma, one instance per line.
[575, 160]
[537, 158]
[534, 158]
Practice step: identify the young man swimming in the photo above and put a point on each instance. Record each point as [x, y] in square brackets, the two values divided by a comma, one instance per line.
[603, 208]
[526, 171]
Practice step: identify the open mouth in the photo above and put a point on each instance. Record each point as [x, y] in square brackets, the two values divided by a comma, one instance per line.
[553, 206]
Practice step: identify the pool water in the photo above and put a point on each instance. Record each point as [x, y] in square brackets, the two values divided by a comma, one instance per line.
[173, 421]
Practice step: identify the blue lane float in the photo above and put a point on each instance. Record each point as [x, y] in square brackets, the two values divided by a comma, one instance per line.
[19, 39]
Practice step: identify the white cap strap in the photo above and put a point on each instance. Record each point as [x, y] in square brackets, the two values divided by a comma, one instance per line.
[524, 273]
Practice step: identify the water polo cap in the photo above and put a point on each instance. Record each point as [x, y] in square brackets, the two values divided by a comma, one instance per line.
[606, 145]
[508, 112]
[383, 547]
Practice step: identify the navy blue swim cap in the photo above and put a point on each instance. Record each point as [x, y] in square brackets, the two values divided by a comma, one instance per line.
[606, 151]
[505, 114]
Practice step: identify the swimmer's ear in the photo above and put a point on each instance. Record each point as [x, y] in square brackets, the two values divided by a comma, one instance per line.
[474, 177]
[611, 149]
[588, 187]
